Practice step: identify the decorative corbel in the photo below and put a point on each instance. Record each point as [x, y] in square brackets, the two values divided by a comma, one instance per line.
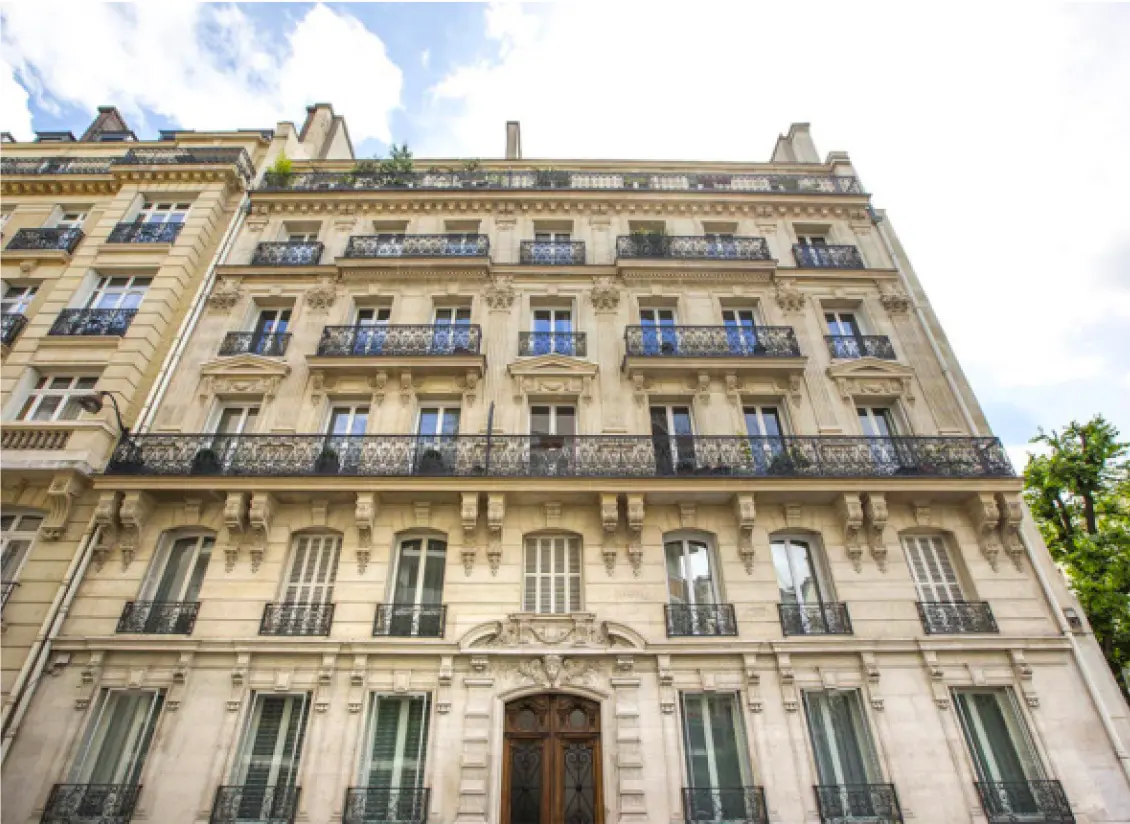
[875, 511]
[469, 514]
[235, 524]
[470, 386]
[702, 388]
[89, 678]
[325, 682]
[180, 680]
[357, 677]
[1012, 514]
[259, 516]
[365, 517]
[787, 678]
[106, 518]
[405, 387]
[317, 387]
[496, 514]
[871, 675]
[135, 511]
[937, 679]
[610, 520]
[639, 387]
[635, 533]
[444, 677]
[985, 515]
[377, 384]
[733, 388]
[752, 682]
[923, 515]
[238, 681]
[64, 489]
[667, 695]
[1023, 672]
[745, 513]
[850, 512]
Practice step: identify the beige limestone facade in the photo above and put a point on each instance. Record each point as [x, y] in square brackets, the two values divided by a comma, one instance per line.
[529, 491]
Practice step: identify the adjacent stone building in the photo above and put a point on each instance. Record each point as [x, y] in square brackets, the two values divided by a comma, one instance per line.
[551, 491]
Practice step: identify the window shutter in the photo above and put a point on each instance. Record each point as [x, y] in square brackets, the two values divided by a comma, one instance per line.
[574, 550]
[552, 575]
[530, 597]
[313, 569]
[118, 738]
[265, 741]
[933, 572]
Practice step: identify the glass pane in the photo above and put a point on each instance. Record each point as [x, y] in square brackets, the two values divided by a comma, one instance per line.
[525, 782]
[46, 409]
[429, 421]
[435, 563]
[566, 421]
[451, 422]
[539, 420]
[698, 572]
[407, 572]
[677, 590]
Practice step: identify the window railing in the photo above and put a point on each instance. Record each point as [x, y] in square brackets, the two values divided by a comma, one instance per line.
[552, 252]
[711, 342]
[159, 617]
[386, 805]
[815, 619]
[574, 344]
[410, 620]
[93, 322]
[449, 245]
[11, 324]
[195, 156]
[255, 804]
[7, 589]
[582, 456]
[269, 344]
[870, 803]
[827, 257]
[86, 803]
[400, 341]
[700, 620]
[141, 232]
[49, 240]
[725, 805]
[287, 253]
[55, 166]
[1031, 802]
[942, 618]
[692, 247]
[297, 619]
[860, 346]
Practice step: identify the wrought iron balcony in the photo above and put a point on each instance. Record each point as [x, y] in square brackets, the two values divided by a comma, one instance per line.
[711, 342]
[84, 322]
[827, 257]
[218, 156]
[55, 166]
[1030, 802]
[410, 620]
[269, 344]
[141, 232]
[400, 341]
[815, 619]
[574, 344]
[11, 324]
[159, 617]
[685, 620]
[90, 804]
[297, 619]
[287, 253]
[870, 803]
[725, 805]
[451, 245]
[45, 240]
[580, 456]
[386, 805]
[552, 252]
[692, 247]
[860, 346]
[252, 804]
[7, 589]
[942, 618]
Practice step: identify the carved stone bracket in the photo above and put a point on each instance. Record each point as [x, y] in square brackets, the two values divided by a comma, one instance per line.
[89, 678]
[752, 682]
[365, 516]
[499, 294]
[239, 681]
[610, 521]
[745, 513]
[135, 511]
[469, 383]
[1011, 516]
[875, 512]
[1023, 672]
[235, 524]
[324, 689]
[850, 511]
[871, 676]
[895, 300]
[469, 514]
[787, 678]
[323, 296]
[65, 487]
[605, 297]
[667, 694]
[444, 677]
[496, 514]
[106, 518]
[985, 515]
[937, 679]
[787, 295]
[259, 515]
[635, 533]
[225, 294]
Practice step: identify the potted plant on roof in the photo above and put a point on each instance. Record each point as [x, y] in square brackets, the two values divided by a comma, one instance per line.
[328, 462]
[551, 179]
[206, 462]
[278, 175]
[396, 169]
[634, 180]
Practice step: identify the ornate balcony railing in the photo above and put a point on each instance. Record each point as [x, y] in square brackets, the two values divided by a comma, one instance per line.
[45, 240]
[725, 805]
[552, 252]
[580, 456]
[254, 804]
[410, 620]
[400, 341]
[451, 245]
[847, 803]
[692, 247]
[7, 589]
[565, 179]
[700, 620]
[159, 617]
[386, 805]
[297, 619]
[269, 344]
[90, 804]
[711, 342]
[93, 322]
[827, 257]
[195, 156]
[141, 232]
[55, 166]
[12, 324]
[815, 619]
[574, 344]
[860, 346]
[1030, 802]
[287, 253]
[942, 618]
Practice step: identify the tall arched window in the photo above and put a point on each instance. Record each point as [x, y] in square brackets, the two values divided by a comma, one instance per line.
[693, 593]
[416, 607]
[552, 580]
[168, 602]
[808, 605]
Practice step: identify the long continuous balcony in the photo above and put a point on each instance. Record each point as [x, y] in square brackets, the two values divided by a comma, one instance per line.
[159, 617]
[45, 240]
[580, 456]
[953, 618]
[1031, 802]
[83, 803]
[828, 257]
[212, 156]
[846, 803]
[574, 344]
[255, 804]
[55, 165]
[711, 342]
[383, 805]
[297, 619]
[692, 247]
[733, 805]
[853, 347]
[549, 179]
[815, 619]
[88, 322]
[410, 620]
[400, 341]
[141, 232]
[11, 324]
[698, 620]
[287, 253]
[552, 252]
[268, 344]
[406, 246]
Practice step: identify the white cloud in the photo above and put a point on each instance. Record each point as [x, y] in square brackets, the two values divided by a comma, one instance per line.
[425, 57]
[15, 114]
[204, 66]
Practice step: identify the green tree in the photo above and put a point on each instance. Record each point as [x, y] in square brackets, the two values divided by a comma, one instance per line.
[1079, 493]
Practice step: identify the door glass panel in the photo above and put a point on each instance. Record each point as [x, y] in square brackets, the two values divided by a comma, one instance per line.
[118, 737]
[579, 801]
[690, 578]
[270, 755]
[876, 422]
[526, 767]
[840, 739]
[1002, 749]
[796, 572]
[394, 760]
[716, 749]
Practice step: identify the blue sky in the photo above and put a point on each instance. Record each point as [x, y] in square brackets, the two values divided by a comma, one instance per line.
[998, 149]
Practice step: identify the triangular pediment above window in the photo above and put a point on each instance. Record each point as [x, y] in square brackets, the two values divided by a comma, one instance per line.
[872, 378]
[869, 368]
[552, 375]
[545, 365]
[246, 365]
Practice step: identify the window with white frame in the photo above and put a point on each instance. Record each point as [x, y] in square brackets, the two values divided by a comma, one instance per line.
[1002, 748]
[55, 398]
[877, 421]
[118, 737]
[932, 568]
[313, 569]
[800, 571]
[119, 292]
[842, 745]
[163, 212]
[394, 755]
[552, 578]
[691, 576]
[235, 419]
[71, 218]
[17, 299]
[178, 568]
[266, 766]
[18, 531]
[417, 588]
[717, 756]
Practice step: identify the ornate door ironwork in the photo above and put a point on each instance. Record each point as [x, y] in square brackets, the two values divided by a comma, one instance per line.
[551, 761]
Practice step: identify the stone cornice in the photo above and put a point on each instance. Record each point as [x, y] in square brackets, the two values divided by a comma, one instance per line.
[95, 184]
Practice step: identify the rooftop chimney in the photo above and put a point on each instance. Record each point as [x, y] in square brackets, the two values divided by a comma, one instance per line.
[513, 140]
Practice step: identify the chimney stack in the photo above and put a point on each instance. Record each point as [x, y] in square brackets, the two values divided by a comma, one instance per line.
[513, 140]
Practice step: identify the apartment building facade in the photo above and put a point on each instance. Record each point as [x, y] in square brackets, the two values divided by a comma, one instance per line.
[565, 491]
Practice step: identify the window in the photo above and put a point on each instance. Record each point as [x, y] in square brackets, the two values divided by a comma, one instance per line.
[552, 236]
[812, 239]
[344, 439]
[672, 436]
[370, 330]
[1003, 752]
[118, 292]
[799, 576]
[18, 531]
[690, 572]
[300, 236]
[842, 324]
[271, 322]
[161, 212]
[763, 426]
[313, 570]
[373, 316]
[55, 398]
[417, 594]
[392, 762]
[932, 569]
[447, 340]
[552, 574]
[452, 315]
[659, 336]
[117, 738]
[551, 439]
[267, 766]
[17, 299]
[717, 757]
[841, 743]
[436, 447]
[71, 219]
[178, 569]
[876, 422]
[236, 419]
[552, 331]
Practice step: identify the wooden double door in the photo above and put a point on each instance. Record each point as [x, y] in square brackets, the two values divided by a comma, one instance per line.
[551, 761]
